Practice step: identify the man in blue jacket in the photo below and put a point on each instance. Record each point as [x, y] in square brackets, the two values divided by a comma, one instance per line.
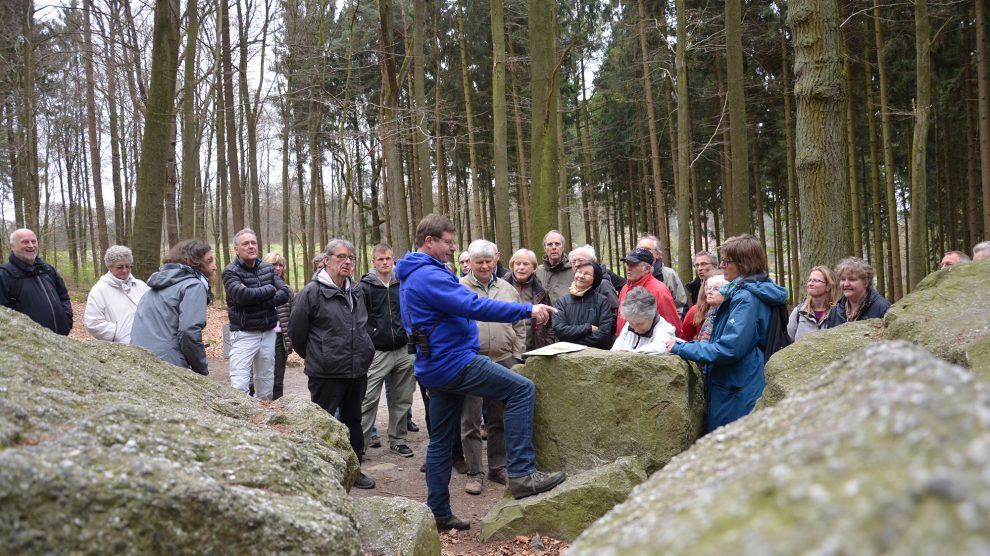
[437, 312]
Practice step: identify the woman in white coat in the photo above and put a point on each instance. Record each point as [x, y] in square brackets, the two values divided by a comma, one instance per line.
[113, 300]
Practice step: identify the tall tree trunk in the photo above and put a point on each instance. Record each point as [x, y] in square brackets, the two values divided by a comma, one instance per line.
[30, 200]
[477, 230]
[395, 192]
[503, 229]
[875, 193]
[888, 160]
[918, 239]
[442, 185]
[171, 183]
[525, 221]
[94, 145]
[651, 119]
[190, 146]
[792, 202]
[850, 116]
[820, 139]
[157, 134]
[972, 219]
[983, 86]
[236, 195]
[110, 60]
[682, 189]
[250, 115]
[421, 112]
[563, 180]
[742, 221]
[543, 207]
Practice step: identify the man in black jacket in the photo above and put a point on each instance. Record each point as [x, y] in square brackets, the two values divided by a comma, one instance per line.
[328, 327]
[31, 286]
[253, 289]
[392, 360]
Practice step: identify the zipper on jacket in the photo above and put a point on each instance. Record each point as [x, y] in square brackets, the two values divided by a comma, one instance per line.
[48, 299]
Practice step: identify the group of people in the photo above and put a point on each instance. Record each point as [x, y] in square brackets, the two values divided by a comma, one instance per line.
[455, 331]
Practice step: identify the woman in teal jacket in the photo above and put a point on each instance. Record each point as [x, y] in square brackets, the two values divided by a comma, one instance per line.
[733, 360]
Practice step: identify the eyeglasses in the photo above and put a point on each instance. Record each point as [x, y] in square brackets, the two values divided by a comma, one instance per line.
[815, 281]
[702, 265]
[711, 289]
[122, 267]
[343, 256]
[449, 242]
[725, 262]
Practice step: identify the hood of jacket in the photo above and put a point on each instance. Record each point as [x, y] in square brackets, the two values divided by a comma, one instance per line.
[414, 261]
[761, 286]
[562, 265]
[372, 279]
[173, 273]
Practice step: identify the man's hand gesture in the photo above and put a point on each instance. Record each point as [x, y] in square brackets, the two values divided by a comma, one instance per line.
[541, 313]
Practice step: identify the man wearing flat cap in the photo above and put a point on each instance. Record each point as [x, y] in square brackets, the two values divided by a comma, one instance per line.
[639, 267]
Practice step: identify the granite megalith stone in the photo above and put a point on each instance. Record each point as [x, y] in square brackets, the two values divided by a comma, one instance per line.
[886, 452]
[568, 509]
[594, 406]
[106, 449]
[396, 525]
[949, 314]
[804, 360]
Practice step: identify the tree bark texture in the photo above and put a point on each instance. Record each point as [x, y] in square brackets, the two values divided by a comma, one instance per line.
[918, 238]
[820, 141]
[742, 221]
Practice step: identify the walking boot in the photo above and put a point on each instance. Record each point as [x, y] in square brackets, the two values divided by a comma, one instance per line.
[534, 483]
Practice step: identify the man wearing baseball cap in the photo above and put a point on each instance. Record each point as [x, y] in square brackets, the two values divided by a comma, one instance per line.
[639, 267]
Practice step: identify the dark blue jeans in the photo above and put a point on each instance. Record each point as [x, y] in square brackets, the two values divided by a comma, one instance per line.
[485, 379]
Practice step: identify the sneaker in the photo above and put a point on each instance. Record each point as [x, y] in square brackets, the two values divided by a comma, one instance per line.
[375, 441]
[460, 466]
[402, 450]
[534, 483]
[498, 476]
[476, 485]
[452, 522]
[411, 427]
[364, 482]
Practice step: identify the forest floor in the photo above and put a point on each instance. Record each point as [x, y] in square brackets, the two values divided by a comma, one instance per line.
[394, 475]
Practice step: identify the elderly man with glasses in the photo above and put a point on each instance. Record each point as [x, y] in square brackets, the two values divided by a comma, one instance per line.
[704, 265]
[328, 327]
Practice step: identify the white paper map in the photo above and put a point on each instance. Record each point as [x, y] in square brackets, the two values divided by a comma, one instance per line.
[556, 349]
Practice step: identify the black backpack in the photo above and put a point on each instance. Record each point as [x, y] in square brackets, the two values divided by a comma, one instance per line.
[777, 338]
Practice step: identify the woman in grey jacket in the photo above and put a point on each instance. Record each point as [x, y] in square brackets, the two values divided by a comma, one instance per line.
[170, 318]
[810, 316]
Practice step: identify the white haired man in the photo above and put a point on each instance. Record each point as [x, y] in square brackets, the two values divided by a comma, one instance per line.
[981, 251]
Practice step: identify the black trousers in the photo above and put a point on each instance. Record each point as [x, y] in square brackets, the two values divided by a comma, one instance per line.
[345, 394]
[281, 357]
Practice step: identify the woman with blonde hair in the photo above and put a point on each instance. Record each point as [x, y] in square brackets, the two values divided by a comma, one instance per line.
[283, 344]
[810, 316]
[859, 300]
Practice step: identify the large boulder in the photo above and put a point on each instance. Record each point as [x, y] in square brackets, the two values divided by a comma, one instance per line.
[595, 406]
[106, 449]
[949, 314]
[804, 360]
[397, 525]
[887, 452]
[568, 509]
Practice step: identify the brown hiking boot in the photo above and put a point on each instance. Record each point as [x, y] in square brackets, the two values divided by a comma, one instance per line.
[498, 476]
[452, 522]
[475, 484]
[534, 483]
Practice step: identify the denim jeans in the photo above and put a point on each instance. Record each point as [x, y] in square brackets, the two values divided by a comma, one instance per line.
[483, 378]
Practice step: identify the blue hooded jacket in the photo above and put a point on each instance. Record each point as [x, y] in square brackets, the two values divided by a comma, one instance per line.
[432, 298]
[733, 360]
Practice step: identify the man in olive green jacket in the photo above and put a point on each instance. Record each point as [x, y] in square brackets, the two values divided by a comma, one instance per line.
[555, 273]
[503, 343]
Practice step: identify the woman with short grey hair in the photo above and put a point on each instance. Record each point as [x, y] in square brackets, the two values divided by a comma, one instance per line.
[113, 301]
[644, 330]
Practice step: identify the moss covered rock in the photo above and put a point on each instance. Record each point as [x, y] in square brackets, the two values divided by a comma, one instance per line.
[949, 314]
[105, 449]
[568, 509]
[805, 359]
[397, 525]
[595, 406]
[886, 452]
